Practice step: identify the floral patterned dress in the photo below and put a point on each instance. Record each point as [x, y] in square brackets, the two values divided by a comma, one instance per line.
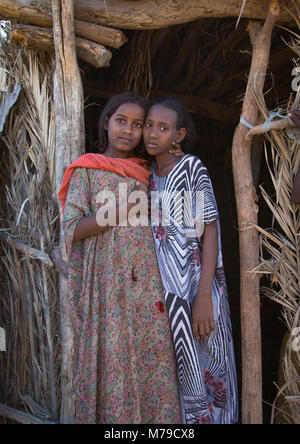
[124, 364]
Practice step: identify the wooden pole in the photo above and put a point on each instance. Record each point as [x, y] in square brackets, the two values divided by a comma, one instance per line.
[69, 145]
[247, 216]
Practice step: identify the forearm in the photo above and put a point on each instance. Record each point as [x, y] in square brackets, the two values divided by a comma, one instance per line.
[209, 258]
[203, 313]
[86, 227]
[89, 226]
[295, 196]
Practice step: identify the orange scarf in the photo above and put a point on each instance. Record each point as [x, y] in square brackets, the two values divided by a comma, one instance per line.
[132, 167]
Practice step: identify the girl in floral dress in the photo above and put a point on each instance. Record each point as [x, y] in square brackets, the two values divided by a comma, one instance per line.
[188, 246]
[124, 363]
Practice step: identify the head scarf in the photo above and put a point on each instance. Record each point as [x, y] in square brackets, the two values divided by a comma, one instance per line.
[133, 167]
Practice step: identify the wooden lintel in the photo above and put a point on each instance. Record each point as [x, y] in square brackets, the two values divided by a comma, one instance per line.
[149, 14]
[143, 14]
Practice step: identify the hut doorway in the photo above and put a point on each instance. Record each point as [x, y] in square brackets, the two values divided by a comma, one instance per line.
[205, 65]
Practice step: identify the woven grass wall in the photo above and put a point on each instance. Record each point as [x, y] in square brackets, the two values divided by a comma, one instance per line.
[29, 308]
[280, 253]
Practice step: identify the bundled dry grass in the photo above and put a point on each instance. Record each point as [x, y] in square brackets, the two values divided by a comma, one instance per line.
[137, 72]
[280, 260]
[29, 375]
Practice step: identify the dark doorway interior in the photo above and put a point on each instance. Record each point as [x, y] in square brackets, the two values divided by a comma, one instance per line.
[205, 64]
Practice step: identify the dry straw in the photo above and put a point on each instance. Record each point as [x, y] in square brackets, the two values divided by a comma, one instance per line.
[29, 375]
[280, 259]
[137, 71]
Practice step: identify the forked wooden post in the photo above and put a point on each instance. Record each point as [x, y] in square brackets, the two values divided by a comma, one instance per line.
[69, 145]
[247, 216]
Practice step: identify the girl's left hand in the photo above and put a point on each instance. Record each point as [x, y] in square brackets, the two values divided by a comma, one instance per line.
[176, 150]
[203, 322]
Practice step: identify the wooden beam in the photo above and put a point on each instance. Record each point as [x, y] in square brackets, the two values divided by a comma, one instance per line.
[247, 210]
[143, 14]
[41, 39]
[285, 124]
[149, 14]
[23, 12]
[113, 38]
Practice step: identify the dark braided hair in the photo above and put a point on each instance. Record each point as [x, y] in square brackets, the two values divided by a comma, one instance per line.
[184, 120]
[110, 108]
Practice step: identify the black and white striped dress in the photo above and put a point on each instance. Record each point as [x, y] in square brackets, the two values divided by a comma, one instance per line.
[182, 201]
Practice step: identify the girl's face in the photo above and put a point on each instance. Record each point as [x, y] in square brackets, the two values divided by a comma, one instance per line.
[125, 129]
[160, 130]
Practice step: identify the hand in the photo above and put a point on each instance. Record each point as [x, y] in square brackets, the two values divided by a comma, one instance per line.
[203, 316]
[138, 186]
[123, 207]
[295, 117]
[176, 150]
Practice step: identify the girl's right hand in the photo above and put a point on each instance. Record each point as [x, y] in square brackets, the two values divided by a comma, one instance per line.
[203, 322]
[124, 207]
[137, 187]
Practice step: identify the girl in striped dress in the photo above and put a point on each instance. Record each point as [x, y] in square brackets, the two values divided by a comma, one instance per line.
[186, 229]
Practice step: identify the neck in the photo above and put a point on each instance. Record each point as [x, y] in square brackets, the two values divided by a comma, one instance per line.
[165, 160]
[112, 152]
